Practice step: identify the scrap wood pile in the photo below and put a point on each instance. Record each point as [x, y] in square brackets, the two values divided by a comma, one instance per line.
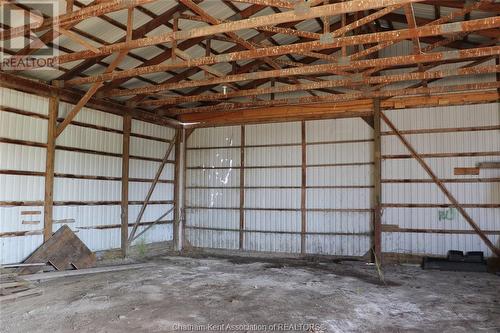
[62, 251]
[13, 287]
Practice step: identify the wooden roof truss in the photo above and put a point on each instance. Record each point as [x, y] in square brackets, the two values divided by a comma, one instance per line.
[238, 55]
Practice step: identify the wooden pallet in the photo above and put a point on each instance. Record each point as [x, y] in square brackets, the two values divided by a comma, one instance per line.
[12, 287]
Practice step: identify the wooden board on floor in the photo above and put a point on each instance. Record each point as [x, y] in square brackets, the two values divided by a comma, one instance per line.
[12, 287]
[64, 250]
[96, 270]
[22, 294]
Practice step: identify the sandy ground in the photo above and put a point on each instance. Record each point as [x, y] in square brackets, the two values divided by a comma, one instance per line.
[336, 297]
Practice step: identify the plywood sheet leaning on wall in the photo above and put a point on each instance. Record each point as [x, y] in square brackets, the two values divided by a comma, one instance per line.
[64, 250]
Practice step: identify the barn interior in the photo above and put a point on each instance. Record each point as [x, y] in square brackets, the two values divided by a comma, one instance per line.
[249, 165]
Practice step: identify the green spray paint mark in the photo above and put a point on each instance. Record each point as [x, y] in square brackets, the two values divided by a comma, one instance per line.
[447, 215]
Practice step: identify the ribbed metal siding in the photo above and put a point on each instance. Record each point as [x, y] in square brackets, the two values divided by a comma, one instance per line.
[346, 142]
[283, 214]
[473, 193]
[216, 169]
[88, 220]
[274, 213]
[147, 169]
[21, 158]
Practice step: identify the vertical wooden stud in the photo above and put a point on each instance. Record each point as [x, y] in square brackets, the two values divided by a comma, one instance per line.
[187, 133]
[127, 124]
[343, 20]
[377, 190]
[242, 187]
[175, 28]
[69, 6]
[49, 166]
[303, 190]
[497, 62]
[177, 190]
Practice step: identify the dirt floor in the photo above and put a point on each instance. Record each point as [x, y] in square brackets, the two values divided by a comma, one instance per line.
[333, 297]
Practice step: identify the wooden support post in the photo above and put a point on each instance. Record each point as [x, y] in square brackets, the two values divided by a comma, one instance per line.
[178, 183]
[441, 186]
[187, 134]
[49, 166]
[303, 192]
[497, 62]
[242, 187]
[377, 189]
[343, 20]
[127, 122]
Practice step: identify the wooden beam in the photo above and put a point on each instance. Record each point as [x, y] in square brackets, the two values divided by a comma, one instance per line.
[127, 122]
[377, 190]
[386, 36]
[489, 165]
[177, 190]
[164, 56]
[348, 82]
[254, 22]
[242, 188]
[49, 167]
[357, 108]
[100, 8]
[271, 3]
[93, 89]
[233, 36]
[69, 6]
[303, 190]
[76, 38]
[449, 56]
[441, 186]
[466, 171]
[186, 134]
[434, 90]
[42, 89]
[150, 225]
[76, 109]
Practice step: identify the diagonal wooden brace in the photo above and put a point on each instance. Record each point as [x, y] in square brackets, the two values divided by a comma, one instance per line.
[441, 186]
[153, 186]
[153, 223]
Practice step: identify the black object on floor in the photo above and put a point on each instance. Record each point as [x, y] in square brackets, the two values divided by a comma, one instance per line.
[457, 261]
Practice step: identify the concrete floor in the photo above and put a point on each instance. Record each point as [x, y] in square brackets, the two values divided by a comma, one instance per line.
[343, 297]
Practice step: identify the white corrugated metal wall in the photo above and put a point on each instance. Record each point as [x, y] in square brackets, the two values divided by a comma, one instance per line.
[462, 132]
[15, 155]
[273, 161]
[212, 188]
[87, 186]
[338, 180]
[338, 185]
[416, 217]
